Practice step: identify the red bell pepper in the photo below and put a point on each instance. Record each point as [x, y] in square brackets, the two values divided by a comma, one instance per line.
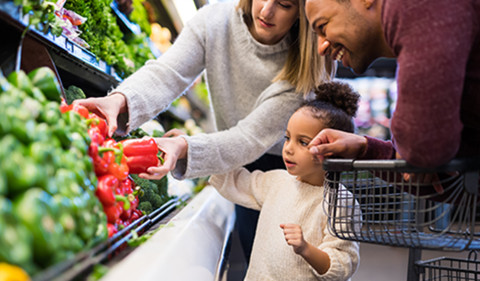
[117, 161]
[112, 229]
[94, 121]
[105, 190]
[146, 145]
[114, 211]
[80, 109]
[141, 154]
[95, 135]
[100, 164]
[125, 187]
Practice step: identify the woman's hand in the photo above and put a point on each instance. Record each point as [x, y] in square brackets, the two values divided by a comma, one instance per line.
[294, 237]
[174, 133]
[173, 148]
[108, 107]
[330, 142]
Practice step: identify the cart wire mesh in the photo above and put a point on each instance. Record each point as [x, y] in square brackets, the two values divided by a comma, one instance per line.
[445, 268]
[403, 212]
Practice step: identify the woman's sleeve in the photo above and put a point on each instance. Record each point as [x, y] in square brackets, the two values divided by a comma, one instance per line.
[151, 89]
[242, 187]
[220, 152]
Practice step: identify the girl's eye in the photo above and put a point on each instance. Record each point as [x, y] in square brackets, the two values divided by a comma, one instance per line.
[287, 138]
[304, 143]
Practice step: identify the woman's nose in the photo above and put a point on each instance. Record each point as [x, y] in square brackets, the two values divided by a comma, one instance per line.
[323, 45]
[268, 9]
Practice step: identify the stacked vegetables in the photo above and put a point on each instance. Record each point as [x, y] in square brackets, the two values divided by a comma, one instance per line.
[113, 162]
[48, 207]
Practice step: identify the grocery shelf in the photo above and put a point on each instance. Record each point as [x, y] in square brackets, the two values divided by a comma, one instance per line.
[125, 24]
[70, 59]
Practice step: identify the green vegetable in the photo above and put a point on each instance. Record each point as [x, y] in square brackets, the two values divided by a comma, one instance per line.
[20, 80]
[139, 15]
[44, 78]
[38, 212]
[74, 93]
[153, 192]
[15, 239]
[146, 207]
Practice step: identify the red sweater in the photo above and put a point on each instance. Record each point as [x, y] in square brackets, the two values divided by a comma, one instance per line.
[437, 44]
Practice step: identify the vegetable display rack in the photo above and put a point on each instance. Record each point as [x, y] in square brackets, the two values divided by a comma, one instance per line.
[81, 266]
[390, 202]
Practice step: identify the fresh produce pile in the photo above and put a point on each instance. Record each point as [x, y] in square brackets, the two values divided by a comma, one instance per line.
[105, 38]
[48, 207]
[65, 185]
[97, 30]
[113, 162]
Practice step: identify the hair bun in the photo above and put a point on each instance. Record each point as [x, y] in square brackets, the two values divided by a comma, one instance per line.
[340, 95]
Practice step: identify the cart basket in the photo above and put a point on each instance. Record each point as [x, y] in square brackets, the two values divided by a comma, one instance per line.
[403, 212]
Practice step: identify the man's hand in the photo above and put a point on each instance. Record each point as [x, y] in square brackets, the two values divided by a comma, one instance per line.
[330, 142]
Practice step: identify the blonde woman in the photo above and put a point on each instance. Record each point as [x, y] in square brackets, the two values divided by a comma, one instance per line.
[260, 60]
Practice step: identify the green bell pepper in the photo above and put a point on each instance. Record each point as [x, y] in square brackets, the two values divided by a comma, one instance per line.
[16, 242]
[44, 79]
[39, 213]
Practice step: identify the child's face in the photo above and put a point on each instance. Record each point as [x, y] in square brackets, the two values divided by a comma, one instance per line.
[302, 128]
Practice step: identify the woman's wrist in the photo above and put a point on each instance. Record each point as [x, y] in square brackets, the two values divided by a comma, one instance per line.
[183, 148]
[119, 100]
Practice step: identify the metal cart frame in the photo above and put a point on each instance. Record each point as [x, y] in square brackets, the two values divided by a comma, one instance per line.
[405, 211]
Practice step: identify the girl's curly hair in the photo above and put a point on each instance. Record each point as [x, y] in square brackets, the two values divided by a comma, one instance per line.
[336, 104]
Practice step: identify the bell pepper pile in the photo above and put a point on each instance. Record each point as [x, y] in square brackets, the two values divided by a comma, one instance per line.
[113, 162]
[48, 208]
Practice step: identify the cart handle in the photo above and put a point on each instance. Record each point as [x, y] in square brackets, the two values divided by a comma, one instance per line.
[467, 164]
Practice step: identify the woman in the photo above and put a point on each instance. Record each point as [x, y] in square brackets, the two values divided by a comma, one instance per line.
[242, 49]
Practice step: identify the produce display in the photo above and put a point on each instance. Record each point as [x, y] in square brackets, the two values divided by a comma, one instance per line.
[48, 207]
[65, 186]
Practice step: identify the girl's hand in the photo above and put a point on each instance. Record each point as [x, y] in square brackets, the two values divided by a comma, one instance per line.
[294, 237]
[108, 107]
[173, 148]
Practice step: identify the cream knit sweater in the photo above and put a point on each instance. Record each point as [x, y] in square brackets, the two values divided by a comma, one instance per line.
[283, 199]
[250, 112]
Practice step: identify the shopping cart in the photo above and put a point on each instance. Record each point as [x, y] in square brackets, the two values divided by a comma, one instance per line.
[445, 268]
[404, 213]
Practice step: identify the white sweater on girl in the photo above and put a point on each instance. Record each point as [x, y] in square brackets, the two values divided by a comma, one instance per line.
[281, 198]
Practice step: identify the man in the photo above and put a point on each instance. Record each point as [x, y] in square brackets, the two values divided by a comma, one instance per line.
[437, 47]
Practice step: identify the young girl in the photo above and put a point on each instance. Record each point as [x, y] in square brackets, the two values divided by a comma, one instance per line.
[292, 241]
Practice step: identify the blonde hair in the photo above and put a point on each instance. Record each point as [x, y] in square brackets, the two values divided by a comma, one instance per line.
[304, 67]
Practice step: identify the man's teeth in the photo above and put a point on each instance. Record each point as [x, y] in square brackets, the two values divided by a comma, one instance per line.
[340, 54]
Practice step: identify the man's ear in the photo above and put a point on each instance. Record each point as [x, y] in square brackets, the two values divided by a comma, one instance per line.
[368, 3]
